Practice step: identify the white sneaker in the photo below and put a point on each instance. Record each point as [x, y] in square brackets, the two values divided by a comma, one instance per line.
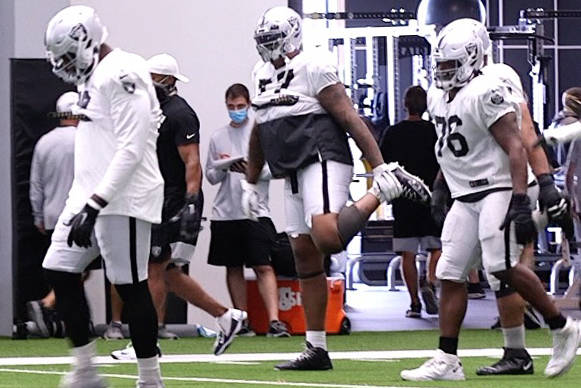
[128, 353]
[114, 331]
[565, 344]
[442, 366]
[83, 378]
[229, 324]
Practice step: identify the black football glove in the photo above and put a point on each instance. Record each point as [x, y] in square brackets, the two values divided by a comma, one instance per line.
[519, 212]
[190, 220]
[83, 223]
[556, 204]
[439, 204]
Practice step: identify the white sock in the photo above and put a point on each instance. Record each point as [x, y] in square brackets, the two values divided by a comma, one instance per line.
[317, 338]
[514, 337]
[83, 355]
[148, 369]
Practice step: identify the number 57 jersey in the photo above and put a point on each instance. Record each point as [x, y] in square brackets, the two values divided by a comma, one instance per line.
[469, 156]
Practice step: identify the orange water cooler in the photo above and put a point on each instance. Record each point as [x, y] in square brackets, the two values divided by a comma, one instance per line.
[290, 307]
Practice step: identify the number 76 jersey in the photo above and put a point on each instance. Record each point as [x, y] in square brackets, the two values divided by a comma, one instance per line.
[469, 156]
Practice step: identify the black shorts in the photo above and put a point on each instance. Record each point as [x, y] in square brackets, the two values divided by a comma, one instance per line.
[162, 235]
[241, 242]
[413, 220]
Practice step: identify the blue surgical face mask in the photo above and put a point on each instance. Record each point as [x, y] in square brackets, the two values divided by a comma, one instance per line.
[239, 115]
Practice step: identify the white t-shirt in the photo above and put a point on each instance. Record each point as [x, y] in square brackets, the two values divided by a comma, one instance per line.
[228, 201]
[469, 156]
[115, 155]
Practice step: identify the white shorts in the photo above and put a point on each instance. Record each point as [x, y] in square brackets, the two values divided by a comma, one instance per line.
[122, 241]
[471, 236]
[495, 284]
[323, 187]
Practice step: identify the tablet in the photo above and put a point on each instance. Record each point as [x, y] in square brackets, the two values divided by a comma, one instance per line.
[224, 164]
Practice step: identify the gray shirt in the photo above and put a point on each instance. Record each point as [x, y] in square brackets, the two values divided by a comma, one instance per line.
[228, 200]
[51, 175]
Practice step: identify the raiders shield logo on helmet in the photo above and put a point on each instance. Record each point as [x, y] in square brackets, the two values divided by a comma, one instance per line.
[496, 97]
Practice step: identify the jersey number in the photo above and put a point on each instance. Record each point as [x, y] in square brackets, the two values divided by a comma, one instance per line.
[455, 141]
[287, 79]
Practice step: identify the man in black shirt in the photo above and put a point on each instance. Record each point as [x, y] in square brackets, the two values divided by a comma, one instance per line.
[173, 241]
[411, 143]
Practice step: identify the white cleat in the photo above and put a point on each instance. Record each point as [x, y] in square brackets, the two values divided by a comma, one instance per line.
[83, 378]
[565, 344]
[128, 353]
[442, 366]
[229, 324]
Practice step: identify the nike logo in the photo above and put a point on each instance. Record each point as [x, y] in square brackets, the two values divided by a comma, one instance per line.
[188, 137]
[528, 365]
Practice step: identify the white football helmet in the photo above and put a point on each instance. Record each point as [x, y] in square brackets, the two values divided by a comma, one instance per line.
[278, 32]
[460, 44]
[72, 40]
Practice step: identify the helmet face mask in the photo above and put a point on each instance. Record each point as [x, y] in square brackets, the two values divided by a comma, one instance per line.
[278, 33]
[73, 39]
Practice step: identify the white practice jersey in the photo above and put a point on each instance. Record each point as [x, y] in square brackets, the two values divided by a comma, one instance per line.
[509, 76]
[115, 155]
[469, 156]
[294, 129]
[303, 77]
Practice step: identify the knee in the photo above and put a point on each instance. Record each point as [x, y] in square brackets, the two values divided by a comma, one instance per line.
[328, 242]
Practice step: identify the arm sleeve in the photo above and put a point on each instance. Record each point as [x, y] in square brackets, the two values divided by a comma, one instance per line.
[132, 126]
[36, 187]
[185, 126]
[213, 174]
[322, 72]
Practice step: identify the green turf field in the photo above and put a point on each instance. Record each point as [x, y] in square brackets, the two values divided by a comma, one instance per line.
[347, 373]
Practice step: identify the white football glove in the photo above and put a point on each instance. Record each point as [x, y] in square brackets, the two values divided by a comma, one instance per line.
[386, 187]
[561, 133]
[250, 200]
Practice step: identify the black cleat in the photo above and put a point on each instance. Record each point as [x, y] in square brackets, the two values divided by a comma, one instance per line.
[513, 362]
[413, 187]
[310, 359]
[415, 311]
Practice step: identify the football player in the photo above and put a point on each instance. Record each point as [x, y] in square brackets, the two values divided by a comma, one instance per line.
[511, 306]
[117, 190]
[484, 163]
[303, 116]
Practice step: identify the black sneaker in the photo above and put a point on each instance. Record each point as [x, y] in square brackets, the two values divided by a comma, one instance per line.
[246, 330]
[415, 311]
[413, 187]
[277, 329]
[430, 299]
[513, 362]
[496, 324]
[475, 291]
[310, 359]
[532, 320]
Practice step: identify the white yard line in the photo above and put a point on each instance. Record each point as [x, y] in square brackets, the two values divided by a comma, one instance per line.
[213, 380]
[259, 357]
